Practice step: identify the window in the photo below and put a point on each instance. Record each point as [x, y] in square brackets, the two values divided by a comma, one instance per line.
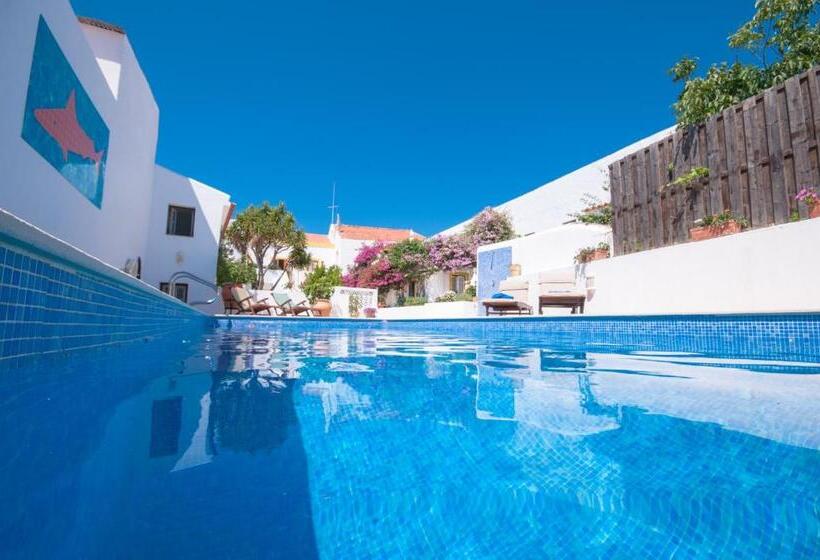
[458, 282]
[180, 221]
[181, 290]
[415, 289]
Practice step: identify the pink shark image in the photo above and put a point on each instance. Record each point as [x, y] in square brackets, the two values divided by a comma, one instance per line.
[63, 126]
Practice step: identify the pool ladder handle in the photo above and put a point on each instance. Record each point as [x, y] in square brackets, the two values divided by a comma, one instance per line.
[180, 274]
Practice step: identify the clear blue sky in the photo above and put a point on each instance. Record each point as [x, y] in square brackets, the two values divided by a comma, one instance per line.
[422, 111]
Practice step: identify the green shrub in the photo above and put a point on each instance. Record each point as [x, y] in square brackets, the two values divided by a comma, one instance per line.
[319, 283]
[414, 300]
[230, 271]
[719, 220]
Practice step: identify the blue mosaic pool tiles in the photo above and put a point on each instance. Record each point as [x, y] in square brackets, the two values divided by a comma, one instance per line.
[793, 335]
[48, 306]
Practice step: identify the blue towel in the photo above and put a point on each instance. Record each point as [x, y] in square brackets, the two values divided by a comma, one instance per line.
[501, 295]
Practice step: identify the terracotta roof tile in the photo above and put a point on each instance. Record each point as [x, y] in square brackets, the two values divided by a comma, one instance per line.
[367, 233]
[318, 240]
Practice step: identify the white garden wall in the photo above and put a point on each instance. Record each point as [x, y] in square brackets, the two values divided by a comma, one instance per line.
[550, 205]
[762, 270]
[552, 248]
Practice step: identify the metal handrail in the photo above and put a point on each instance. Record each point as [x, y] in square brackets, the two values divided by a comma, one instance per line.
[190, 276]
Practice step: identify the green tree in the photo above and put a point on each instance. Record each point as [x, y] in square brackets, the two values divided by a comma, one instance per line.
[265, 232]
[319, 283]
[232, 271]
[409, 257]
[782, 38]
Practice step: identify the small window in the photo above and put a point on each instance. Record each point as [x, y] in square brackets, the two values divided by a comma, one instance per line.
[181, 290]
[180, 221]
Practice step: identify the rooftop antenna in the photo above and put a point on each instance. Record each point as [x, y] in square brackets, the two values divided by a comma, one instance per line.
[333, 206]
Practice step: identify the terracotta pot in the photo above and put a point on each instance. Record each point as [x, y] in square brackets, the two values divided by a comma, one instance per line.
[370, 313]
[709, 232]
[814, 211]
[599, 254]
[322, 307]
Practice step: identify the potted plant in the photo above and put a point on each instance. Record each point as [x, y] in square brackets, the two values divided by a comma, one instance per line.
[809, 197]
[717, 225]
[318, 286]
[354, 304]
[370, 312]
[589, 254]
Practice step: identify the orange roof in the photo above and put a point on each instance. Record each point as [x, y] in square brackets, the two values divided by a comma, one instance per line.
[367, 233]
[318, 240]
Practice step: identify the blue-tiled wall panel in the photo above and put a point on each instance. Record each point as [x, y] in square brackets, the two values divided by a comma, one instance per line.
[493, 267]
[49, 306]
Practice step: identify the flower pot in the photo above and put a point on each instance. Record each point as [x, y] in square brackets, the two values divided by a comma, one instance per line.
[599, 254]
[814, 211]
[322, 307]
[370, 313]
[708, 232]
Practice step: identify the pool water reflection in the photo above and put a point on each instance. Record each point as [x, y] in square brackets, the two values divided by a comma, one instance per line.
[378, 444]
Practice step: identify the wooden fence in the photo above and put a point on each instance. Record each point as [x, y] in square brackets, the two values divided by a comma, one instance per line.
[759, 154]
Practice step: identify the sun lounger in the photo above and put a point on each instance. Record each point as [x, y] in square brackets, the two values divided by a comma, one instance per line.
[288, 307]
[559, 289]
[498, 306]
[247, 305]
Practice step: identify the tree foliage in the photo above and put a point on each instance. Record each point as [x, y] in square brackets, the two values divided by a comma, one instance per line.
[410, 258]
[232, 271]
[319, 282]
[782, 39]
[266, 231]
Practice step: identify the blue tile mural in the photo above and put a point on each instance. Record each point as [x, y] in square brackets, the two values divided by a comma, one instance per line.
[493, 267]
[61, 123]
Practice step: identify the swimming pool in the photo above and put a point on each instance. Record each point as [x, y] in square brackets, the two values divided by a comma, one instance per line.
[269, 439]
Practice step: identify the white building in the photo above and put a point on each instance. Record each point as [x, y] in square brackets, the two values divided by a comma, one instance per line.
[78, 138]
[338, 248]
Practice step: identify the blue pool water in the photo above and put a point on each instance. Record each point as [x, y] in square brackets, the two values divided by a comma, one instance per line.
[292, 442]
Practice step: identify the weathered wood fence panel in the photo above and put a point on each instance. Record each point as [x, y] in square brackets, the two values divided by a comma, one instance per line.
[759, 154]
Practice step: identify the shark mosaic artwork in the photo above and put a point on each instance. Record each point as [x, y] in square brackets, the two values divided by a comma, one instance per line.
[61, 122]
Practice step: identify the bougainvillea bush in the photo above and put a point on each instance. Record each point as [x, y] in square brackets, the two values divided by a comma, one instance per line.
[458, 252]
[489, 226]
[372, 269]
[384, 267]
[450, 252]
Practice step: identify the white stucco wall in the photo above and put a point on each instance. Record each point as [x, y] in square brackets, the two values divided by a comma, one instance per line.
[552, 248]
[435, 310]
[770, 269]
[171, 253]
[550, 205]
[131, 220]
[32, 188]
